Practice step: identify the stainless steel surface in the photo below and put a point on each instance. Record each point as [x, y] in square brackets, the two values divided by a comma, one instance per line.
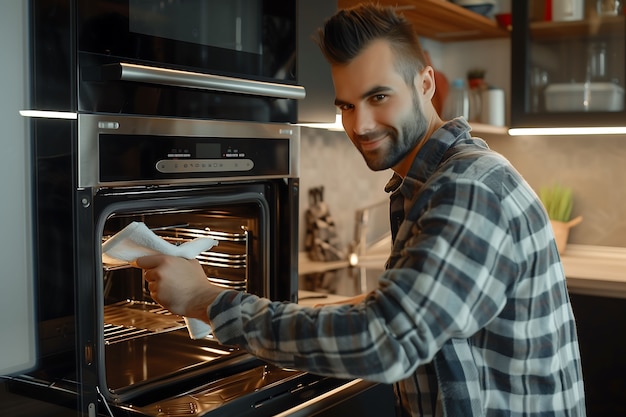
[214, 257]
[176, 78]
[231, 255]
[205, 165]
[130, 319]
[90, 126]
[217, 393]
[145, 360]
[317, 403]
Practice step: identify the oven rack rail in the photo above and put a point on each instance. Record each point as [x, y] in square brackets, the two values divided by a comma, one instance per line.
[131, 319]
[230, 259]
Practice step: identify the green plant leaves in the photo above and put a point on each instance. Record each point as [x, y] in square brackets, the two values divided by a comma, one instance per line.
[558, 201]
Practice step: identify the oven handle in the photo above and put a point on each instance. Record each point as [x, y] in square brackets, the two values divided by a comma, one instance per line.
[327, 399]
[164, 76]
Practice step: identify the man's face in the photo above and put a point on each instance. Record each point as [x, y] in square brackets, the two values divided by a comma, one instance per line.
[381, 114]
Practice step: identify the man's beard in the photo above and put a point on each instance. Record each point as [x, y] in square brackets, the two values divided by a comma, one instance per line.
[412, 130]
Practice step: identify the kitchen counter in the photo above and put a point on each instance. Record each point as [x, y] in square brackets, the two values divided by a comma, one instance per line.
[311, 298]
[592, 270]
[307, 266]
[595, 270]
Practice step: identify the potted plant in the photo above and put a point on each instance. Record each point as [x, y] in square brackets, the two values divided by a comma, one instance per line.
[558, 202]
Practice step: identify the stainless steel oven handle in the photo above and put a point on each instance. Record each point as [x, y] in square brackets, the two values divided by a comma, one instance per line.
[165, 76]
[327, 399]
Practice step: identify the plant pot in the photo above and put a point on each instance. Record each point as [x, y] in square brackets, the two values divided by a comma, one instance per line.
[561, 232]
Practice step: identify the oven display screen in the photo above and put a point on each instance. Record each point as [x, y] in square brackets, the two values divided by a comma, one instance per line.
[208, 151]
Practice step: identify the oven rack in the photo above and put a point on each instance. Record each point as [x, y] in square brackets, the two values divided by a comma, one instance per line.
[188, 233]
[130, 319]
[232, 256]
[219, 257]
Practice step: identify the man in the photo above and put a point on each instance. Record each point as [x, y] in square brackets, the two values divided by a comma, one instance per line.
[472, 315]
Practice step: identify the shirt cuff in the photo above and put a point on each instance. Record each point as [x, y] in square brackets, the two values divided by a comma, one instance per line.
[224, 315]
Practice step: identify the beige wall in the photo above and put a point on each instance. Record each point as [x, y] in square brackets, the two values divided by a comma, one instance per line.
[595, 167]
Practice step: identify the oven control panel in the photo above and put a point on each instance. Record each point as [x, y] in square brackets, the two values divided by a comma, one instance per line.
[145, 150]
[145, 158]
[204, 165]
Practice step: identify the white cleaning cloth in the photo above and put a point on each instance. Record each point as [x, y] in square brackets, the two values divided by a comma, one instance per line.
[136, 240]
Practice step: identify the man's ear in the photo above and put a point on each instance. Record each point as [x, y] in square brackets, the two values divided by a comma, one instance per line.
[425, 82]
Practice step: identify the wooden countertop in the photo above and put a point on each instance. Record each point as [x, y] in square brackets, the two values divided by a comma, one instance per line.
[593, 270]
[311, 298]
[307, 266]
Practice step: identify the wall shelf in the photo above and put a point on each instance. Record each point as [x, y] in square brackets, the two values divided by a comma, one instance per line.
[442, 20]
[596, 26]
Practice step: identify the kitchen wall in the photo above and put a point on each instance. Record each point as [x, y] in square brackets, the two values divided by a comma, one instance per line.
[594, 166]
[328, 158]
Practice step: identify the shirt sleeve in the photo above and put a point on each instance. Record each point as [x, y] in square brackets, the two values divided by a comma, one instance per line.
[449, 277]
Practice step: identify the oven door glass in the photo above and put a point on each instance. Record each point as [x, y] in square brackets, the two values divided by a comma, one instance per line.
[244, 38]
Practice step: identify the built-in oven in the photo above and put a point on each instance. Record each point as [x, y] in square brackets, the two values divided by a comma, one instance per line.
[250, 60]
[187, 160]
[106, 348]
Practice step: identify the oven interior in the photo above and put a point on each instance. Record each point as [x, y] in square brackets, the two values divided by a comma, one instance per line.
[143, 343]
[151, 365]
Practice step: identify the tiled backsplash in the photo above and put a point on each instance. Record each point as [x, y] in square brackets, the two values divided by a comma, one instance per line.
[328, 158]
[594, 166]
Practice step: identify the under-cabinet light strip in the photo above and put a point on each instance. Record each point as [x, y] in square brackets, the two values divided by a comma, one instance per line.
[566, 131]
[337, 126]
[49, 114]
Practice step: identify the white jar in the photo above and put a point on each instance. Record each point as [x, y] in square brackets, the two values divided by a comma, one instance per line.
[566, 10]
[493, 107]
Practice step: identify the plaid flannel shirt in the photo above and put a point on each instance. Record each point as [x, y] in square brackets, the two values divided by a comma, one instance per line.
[472, 315]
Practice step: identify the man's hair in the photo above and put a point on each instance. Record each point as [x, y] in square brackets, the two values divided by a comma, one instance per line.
[349, 31]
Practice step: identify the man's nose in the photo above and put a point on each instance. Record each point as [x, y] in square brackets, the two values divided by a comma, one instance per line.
[363, 121]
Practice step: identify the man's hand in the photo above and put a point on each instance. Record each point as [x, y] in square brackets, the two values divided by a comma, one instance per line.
[178, 284]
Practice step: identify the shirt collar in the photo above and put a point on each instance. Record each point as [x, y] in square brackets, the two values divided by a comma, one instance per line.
[430, 156]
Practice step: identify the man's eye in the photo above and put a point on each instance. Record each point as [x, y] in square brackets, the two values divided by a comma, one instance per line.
[344, 107]
[379, 97]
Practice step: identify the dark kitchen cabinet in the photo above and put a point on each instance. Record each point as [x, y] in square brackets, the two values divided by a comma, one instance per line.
[568, 73]
[601, 325]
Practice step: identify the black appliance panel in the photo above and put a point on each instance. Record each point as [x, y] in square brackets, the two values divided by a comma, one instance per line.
[213, 59]
[244, 38]
[80, 64]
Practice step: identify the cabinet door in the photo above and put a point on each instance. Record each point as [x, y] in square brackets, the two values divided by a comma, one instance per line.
[602, 338]
[568, 71]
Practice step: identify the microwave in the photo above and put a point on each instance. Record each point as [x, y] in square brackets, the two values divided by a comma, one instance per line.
[251, 60]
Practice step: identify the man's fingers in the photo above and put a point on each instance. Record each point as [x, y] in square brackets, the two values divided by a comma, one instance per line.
[148, 262]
